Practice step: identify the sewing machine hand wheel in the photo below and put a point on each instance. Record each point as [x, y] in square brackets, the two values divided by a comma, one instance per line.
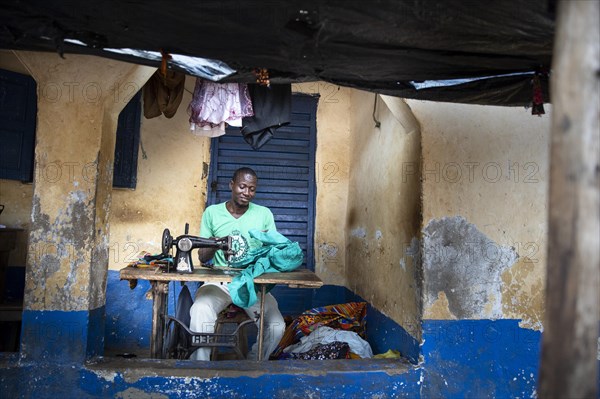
[167, 241]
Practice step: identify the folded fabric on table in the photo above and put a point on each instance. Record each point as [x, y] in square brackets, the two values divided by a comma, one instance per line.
[269, 252]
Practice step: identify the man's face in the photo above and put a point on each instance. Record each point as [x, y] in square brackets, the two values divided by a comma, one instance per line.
[243, 189]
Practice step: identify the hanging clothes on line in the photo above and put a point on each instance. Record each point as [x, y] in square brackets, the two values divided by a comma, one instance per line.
[163, 94]
[215, 104]
[272, 109]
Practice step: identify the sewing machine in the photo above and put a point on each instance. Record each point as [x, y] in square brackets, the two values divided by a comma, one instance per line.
[186, 243]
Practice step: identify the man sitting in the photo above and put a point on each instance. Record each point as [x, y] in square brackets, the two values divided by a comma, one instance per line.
[235, 218]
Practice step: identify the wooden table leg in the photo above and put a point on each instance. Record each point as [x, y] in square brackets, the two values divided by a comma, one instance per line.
[263, 292]
[160, 290]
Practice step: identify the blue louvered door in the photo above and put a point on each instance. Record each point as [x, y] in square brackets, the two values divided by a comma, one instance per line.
[286, 171]
[18, 112]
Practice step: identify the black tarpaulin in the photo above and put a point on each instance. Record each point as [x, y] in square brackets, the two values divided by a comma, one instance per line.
[385, 46]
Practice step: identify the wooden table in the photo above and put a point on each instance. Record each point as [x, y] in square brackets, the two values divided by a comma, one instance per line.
[160, 287]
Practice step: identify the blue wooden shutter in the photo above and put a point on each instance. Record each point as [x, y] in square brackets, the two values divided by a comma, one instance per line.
[127, 144]
[286, 172]
[18, 113]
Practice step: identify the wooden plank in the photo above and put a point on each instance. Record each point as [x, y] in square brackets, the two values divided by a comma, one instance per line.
[280, 218]
[291, 232]
[262, 155]
[282, 192]
[159, 307]
[297, 279]
[266, 181]
[270, 203]
[261, 327]
[276, 141]
[271, 186]
[258, 161]
[290, 211]
[569, 367]
[226, 168]
[292, 225]
[301, 278]
[271, 147]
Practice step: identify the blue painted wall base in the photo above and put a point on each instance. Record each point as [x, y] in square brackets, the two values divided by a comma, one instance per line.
[285, 379]
[479, 359]
[459, 358]
[60, 336]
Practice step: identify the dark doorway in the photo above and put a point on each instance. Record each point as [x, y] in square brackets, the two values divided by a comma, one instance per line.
[286, 170]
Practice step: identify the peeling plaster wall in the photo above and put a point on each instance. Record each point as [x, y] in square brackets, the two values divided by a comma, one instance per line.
[331, 173]
[171, 186]
[383, 216]
[463, 270]
[77, 107]
[485, 181]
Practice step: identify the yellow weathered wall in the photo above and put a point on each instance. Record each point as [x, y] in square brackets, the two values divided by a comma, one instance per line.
[489, 165]
[171, 186]
[333, 160]
[383, 217]
[76, 124]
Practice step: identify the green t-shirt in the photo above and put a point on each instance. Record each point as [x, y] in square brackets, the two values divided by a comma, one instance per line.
[218, 222]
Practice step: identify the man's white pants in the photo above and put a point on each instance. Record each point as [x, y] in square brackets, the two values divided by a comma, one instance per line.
[212, 299]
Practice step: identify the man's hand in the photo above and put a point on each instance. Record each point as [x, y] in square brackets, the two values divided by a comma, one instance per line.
[206, 254]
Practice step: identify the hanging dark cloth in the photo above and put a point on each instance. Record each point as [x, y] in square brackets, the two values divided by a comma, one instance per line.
[272, 109]
[162, 95]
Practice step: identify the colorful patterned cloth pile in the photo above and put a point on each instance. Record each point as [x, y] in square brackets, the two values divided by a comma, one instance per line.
[351, 316]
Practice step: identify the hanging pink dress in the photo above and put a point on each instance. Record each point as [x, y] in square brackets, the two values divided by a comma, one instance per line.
[216, 104]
